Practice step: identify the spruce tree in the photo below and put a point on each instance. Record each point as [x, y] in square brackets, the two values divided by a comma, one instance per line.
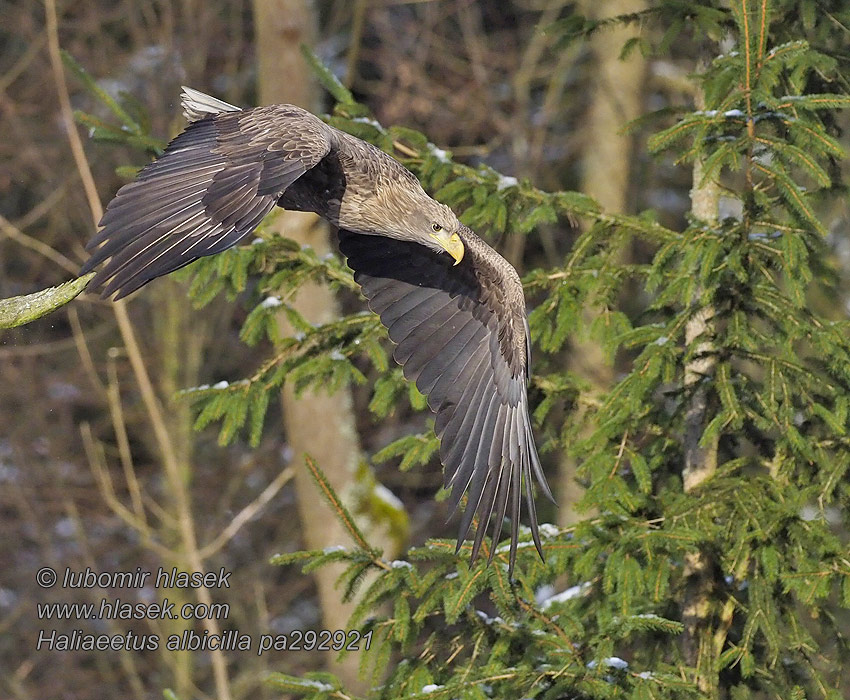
[716, 566]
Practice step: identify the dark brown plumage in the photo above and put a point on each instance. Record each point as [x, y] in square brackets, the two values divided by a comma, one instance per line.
[458, 320]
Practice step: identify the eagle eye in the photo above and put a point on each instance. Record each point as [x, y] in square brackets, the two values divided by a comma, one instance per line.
[437, 228]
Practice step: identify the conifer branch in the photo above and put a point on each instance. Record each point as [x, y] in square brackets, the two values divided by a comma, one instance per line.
[341, 511]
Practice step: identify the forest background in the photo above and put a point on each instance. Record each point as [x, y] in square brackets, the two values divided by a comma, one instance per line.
[691, 350]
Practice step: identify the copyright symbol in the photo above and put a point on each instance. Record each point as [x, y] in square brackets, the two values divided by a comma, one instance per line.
[45, 577]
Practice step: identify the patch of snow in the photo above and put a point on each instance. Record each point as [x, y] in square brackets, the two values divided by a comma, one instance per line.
[270, 303]
[549, 530]
[8, 472]
[507, 547]
[506, 181]
[8, 598]
[430, 688]
[333, 548]
[545, 592]
[223, 384]
[202, 387]
[809, 513]
[439, 153]
[65, 527]
[611, 662]
[370, 122]
[760, 235]
[63, 391]
[321, 687]
[400, 564]
[382, 493]
[487, 619]
[568, 594]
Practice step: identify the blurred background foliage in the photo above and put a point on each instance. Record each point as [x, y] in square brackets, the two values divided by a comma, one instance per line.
[522, 98]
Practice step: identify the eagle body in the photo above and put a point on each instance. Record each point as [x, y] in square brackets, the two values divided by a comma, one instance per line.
[452, 305]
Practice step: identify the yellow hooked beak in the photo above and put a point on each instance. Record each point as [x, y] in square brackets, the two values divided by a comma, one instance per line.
[452, 245]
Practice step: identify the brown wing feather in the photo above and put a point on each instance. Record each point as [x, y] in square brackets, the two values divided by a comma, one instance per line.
[210, 188]
[460, 334]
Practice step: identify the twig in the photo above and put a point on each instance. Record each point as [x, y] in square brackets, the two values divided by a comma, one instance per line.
[11, 75]
[128, 659]
[357, 24]
[14, 233]
[47, 348]
[248, 512]
[52, 22]
[47, 204]
[83, 350]
[119, 426]
[171, 465]
[97, 464]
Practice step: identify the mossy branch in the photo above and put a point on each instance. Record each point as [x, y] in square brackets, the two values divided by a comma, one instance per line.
[18, 311]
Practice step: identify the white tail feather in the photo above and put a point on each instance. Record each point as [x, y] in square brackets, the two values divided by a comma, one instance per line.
[197, 105]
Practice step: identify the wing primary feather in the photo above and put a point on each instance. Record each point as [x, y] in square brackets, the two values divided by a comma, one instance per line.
[451, 385]
[395, 310]
[467, 401]
[532, 516]
[475, 487]
[505, 483]
[516, 500]
[412, 324]
[422, 340]
[485, 510]
[466, 426]
[476, 404]
[536, 467]
[433, 351]
[450, 366]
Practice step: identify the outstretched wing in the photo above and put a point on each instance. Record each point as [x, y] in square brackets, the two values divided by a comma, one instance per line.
[461, 334]
[210, 188]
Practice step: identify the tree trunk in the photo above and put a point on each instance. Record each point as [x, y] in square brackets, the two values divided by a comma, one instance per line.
[615, 99]
[317, 424]
[700, 459]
